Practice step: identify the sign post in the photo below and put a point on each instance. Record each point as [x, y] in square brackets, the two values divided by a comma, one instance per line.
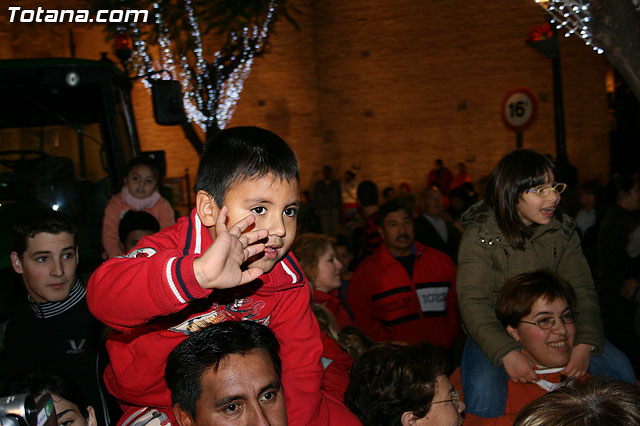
[519, 110]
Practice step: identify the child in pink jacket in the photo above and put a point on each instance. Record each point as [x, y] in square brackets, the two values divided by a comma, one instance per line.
[139, 193]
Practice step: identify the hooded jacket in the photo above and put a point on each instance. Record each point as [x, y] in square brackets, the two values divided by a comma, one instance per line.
[486, 261]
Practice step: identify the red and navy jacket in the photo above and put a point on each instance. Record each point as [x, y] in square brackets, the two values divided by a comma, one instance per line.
[152, 300]
[388, 304]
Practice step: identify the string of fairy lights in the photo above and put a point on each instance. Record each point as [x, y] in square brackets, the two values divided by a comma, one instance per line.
[209, 96]
[572, 15]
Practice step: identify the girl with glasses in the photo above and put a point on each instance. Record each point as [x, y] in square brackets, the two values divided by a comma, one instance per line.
[518, 229]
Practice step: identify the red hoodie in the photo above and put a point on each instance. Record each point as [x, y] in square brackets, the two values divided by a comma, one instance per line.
[152, 300]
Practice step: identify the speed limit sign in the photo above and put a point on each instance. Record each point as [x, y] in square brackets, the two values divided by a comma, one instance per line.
[519, 109]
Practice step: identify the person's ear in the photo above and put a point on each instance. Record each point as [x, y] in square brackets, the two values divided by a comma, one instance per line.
[182, 417]
[16, 262]
[91, 418]
[381, 233]
[408, 419]
[206, 208]
[513, 332]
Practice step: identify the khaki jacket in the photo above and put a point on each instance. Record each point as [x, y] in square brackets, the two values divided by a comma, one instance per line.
[486, 262]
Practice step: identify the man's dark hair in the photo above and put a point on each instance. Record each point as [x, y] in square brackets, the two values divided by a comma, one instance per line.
[37, 222]
[388, 208]
[392, 378]
[133, 221]
[206, 348]
[240, 153]
[38, 381]
[367, 193]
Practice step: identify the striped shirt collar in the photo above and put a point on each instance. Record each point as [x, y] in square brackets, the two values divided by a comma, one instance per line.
[51, 309]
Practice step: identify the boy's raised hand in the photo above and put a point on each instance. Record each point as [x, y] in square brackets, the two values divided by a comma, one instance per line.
[220, 266]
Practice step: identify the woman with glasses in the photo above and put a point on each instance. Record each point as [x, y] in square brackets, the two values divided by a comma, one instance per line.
[400, 384]
[538, 311]
[518, 229]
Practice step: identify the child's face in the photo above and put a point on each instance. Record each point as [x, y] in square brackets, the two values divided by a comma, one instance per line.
[141, 181]
[274, 202]
[48, 266]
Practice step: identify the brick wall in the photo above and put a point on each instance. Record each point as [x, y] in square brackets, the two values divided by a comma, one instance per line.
[386, 87]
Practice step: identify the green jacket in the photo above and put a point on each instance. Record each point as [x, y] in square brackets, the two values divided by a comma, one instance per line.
[486, 262]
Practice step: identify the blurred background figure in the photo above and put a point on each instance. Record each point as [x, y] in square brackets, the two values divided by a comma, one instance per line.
[327, 201]
[135, 225]
[441, 176]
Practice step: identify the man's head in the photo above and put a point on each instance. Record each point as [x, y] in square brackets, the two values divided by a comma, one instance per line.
[45, 254]
[227, 373]
[252, 171]
[396, 228]
[135, 225]
[432, 201]
[400, 384]
[367, 193]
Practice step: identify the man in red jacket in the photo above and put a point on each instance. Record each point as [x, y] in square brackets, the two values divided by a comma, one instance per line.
[405, 291]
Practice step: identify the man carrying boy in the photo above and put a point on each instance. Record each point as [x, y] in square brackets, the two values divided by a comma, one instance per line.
[55, 330]
[229, 374]
[190, 275]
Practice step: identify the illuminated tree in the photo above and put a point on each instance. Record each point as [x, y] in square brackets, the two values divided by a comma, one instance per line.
[177, 38]
[612, 27]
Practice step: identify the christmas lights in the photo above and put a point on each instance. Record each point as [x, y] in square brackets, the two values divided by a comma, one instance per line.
[574, 16]
[211, 89]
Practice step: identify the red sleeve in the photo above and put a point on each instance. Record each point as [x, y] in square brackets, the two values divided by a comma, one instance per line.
[153, 280]
[359, 298]
[297, 331]
[335, 380]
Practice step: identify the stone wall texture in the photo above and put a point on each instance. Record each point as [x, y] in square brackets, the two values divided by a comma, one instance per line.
[384, 87]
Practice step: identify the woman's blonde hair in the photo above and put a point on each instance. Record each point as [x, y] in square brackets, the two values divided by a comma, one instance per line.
[308, 248]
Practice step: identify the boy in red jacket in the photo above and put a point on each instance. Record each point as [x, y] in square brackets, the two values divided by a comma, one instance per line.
[198, 272]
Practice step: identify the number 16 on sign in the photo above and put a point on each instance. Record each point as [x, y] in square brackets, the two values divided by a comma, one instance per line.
[519, 110]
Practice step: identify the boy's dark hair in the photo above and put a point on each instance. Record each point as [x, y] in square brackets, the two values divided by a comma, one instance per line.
[592, 402]
[206, 348]
[392, 378]
[388, 208]
[516, 172]
[367, 193]
[133, 220]
[520, 293]
[242, 153]
[38, 381]
[149, 162]
[39, 221]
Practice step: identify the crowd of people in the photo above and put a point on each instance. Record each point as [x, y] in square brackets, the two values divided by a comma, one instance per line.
[345, 305]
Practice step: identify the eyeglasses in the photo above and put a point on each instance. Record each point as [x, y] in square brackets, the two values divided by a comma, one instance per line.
[546, 190]
[548, 323]
[455, 397]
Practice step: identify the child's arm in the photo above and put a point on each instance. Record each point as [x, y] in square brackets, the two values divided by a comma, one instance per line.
[573, 267]
[474, 284]
[126, 292]
[519, 367]
[110, 222]
[164, 213]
